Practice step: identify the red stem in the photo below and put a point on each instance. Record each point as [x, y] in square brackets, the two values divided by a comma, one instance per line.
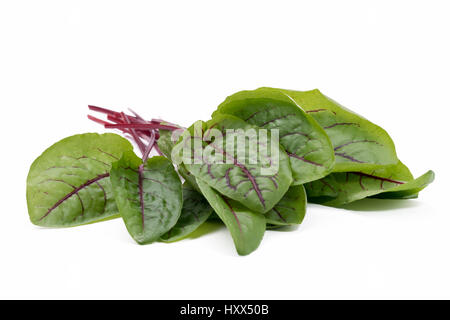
[133, 134]
[141, 126]
[98, 120]
[144, 133]
[103, 110]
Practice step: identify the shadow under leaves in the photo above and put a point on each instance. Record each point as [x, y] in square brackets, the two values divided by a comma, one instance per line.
[369, 204]
[205, 228]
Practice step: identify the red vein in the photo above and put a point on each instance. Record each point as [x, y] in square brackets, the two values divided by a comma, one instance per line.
[271, 178]
[346, 156]
[356, 141]
[232, 211]
[108, 154]
[316, 110]
[246, 171]
[209, 172]
[377, 177]
[342, 124]
[88, 158]
[279, 118]
[320, 110]
[254, 114]
[360, 182]
[157, 181]
[279, 214]
[328, 185]
[286, 207]
[303, 159]
[228, 180]
[75, 191]
[141, 193]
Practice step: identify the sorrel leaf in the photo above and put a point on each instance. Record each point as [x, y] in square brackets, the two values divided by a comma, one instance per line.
[166, 145]
[306, 143]
[358, 143]
[344, 187]
[408, 190]
[246, 227]
[188, 177]
[196, 210]
[290, 210]
[69, 184]
[149, 196]
[241, 174]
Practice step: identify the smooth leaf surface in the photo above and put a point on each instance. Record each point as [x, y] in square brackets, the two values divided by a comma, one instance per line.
[246, 227]
[358, 143]
[408, 190]
[166, 145]
[196, 210]
[309, 149]
[237, 179]
[344, 187]
[360, 146]
[149, 197]
[69, 184]
[187, 176]
[290, 210]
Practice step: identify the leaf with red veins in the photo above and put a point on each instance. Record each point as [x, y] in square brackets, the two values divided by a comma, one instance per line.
[359, 144]
[307, 144]
[195, 212]
[69, 184]
[243, 174]
[290, 210]
[408, 190]
[246, 226]
[148, 196]
[340, 188]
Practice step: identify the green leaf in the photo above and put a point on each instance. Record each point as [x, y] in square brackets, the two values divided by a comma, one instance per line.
[410, 189]
[165, 143]
[362, 150]
[358, 143]
[195, 212]
[254, 178]
[290, 210]
[344, 187]
[246, 227]
[69, 184]
[187, 176]
[309, 149]
[149, 197]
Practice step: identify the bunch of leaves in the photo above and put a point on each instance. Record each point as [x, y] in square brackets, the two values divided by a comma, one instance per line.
[326, 154]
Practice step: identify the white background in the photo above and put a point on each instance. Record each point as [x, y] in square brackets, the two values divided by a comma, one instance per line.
[387, 60]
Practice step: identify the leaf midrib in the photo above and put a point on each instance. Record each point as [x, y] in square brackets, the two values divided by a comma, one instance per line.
[75, 191]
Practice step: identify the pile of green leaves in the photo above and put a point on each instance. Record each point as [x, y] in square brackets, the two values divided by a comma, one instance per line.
[327, 154]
